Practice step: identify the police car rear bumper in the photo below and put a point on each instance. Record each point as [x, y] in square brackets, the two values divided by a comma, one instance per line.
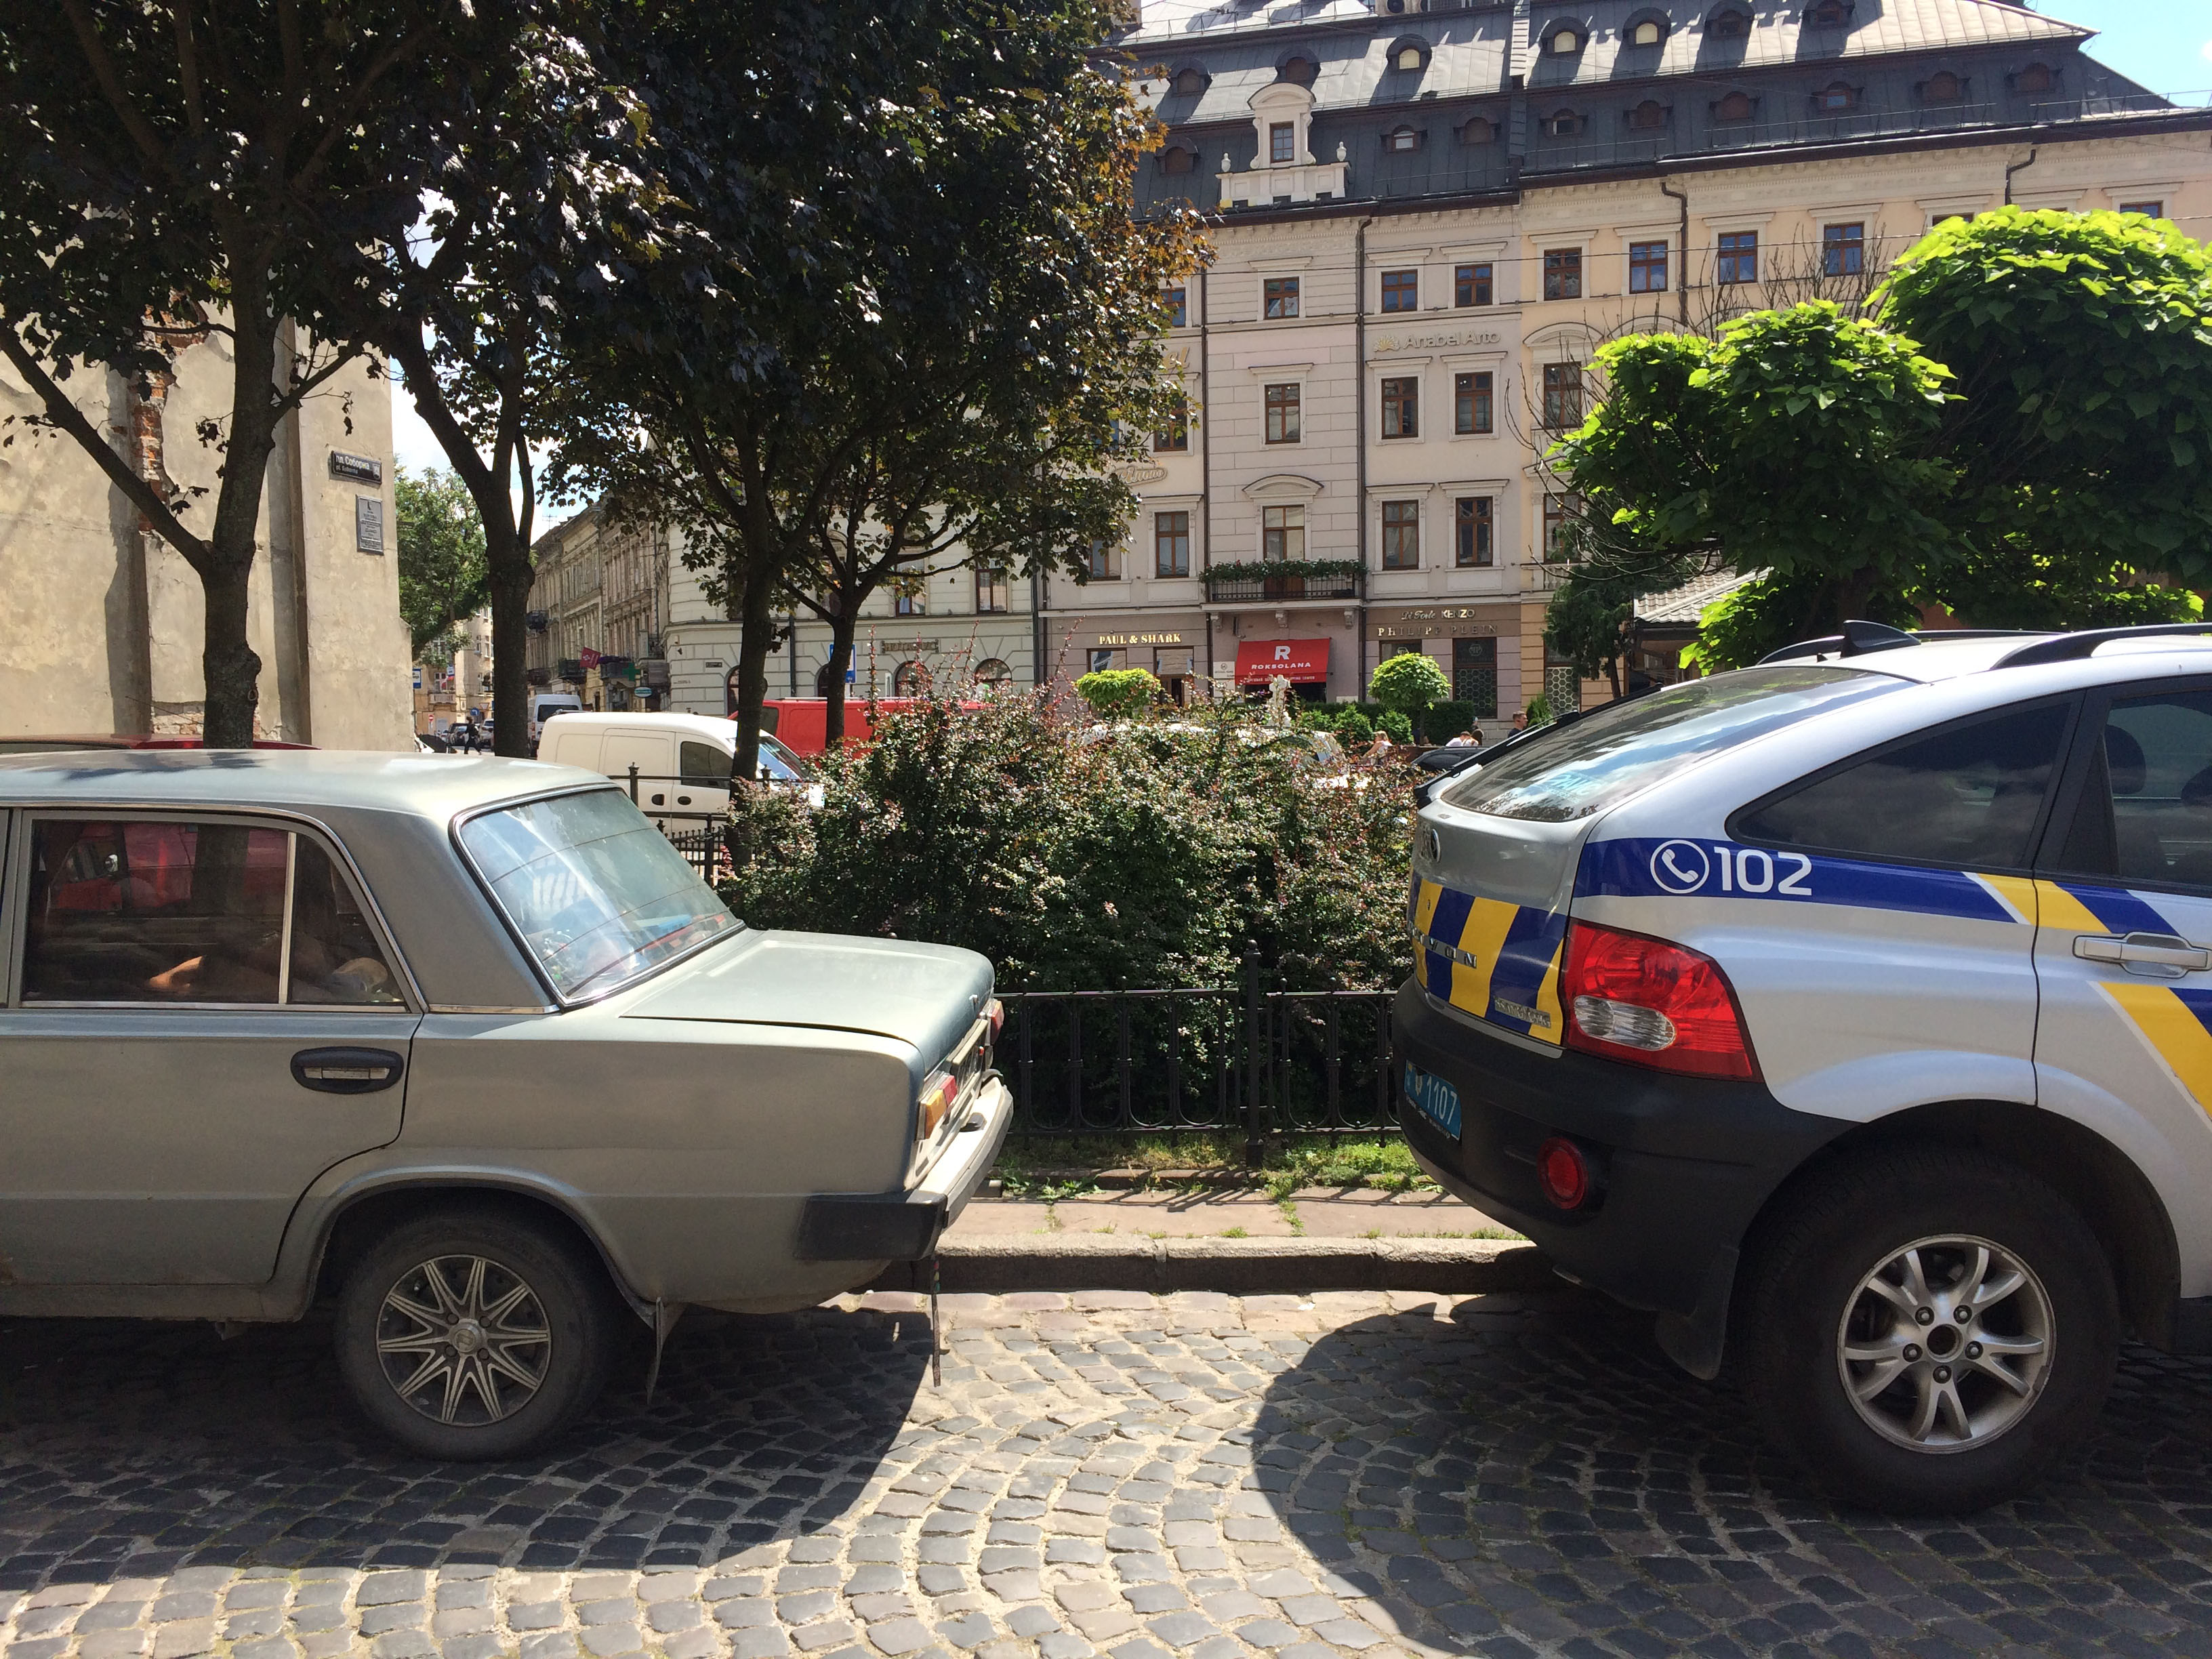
[1681, 1164]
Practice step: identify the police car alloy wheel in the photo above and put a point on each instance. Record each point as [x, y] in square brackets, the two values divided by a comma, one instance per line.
[1926, 1328]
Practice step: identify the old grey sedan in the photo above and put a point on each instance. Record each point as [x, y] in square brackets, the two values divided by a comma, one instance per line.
[462, 1044]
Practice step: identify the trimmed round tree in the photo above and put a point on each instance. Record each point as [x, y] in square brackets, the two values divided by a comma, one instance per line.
[1408, 683]
[1119, 694]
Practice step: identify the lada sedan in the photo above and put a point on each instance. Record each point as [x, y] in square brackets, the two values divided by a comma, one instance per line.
[1851, 1014]
[462, 1044]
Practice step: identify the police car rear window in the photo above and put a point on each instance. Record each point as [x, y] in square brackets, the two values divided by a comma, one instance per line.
[1611, 755]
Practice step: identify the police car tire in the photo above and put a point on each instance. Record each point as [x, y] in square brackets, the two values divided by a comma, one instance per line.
[1810, 1268]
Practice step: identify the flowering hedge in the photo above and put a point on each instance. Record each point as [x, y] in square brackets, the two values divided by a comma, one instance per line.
[1081, 858]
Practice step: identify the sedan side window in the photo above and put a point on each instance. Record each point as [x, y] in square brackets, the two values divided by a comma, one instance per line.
[153, 912]
[2146, 810]
[1967, 796]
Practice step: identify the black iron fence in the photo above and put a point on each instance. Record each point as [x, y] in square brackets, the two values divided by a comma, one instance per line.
[1247, 1060]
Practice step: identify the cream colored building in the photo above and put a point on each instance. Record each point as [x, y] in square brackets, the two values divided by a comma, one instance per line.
[104, 624]
[598, 613]
[1427, 219]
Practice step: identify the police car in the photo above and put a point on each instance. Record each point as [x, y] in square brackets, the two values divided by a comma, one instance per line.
[1851, 1012]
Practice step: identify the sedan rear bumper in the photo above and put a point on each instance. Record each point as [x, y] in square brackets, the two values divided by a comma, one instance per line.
[906, 1226]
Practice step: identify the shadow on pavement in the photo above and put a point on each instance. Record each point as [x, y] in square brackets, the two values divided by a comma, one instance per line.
[1531, 1475]
[128, 1450]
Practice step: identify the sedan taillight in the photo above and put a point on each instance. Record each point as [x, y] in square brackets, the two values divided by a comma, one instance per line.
[937, 1097]
[1651, 1003]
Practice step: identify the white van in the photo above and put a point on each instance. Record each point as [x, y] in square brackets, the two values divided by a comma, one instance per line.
[543, 705]
[683, 761]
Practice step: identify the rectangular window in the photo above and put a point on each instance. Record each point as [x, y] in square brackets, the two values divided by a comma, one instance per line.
[1475, 675]
[1843, 249]
[1559, 528]
[914, 604]
[1563, 273]
[1281, 295]
[1171, 544]
[1282, 413]
[1177, 436]
[1563, 396]
[1401, 535]
[1282, 532]
[1471, 526]
[1471, 285]
[990, 589]
[1176, 314]
[2155, 209]
[1105, 562]
[1647, 267]
[1401, 290]
[1402, 408]
[1471, 402]
[1739, 256]
[1282, 142]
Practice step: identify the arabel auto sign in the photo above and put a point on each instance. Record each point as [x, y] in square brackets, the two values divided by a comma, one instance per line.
[1489, 337]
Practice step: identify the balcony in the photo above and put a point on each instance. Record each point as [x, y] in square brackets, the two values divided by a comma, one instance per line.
[1293, 579]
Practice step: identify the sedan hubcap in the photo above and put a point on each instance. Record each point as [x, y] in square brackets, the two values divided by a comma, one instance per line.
[1946, 1345]
[463, 1339]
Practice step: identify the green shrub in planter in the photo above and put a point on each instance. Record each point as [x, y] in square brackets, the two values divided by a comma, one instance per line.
[1407, 684]
[1401, 729]
[1443, 722]
[1119, 694]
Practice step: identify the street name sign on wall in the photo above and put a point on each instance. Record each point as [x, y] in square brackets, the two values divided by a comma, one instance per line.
[360, 469]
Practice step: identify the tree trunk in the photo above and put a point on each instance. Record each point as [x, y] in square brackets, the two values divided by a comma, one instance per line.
[230, 670]
[507, 566]
[757, 625]
[841, 629]
[229, 665]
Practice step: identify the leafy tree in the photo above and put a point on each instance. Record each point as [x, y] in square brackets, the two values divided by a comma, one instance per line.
[1119, 694]
[441, 557]
[168, 174]
[1406, 685]
[844, 219]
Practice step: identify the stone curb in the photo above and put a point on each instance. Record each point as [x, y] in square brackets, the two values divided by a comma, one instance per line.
[1236, 1266]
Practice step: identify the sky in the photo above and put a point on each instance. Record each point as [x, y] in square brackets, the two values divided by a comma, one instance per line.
[2164, 45]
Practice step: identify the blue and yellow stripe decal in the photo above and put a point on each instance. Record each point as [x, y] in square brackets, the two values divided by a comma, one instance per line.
[2176, 1024]
[1497, 961]
[1687, 866]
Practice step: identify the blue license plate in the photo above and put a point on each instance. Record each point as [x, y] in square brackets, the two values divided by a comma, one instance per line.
[1434, 1098]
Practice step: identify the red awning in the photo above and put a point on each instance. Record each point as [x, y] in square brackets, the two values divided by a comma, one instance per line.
[1299, 661]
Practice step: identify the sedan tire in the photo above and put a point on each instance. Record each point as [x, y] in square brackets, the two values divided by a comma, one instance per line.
[472, 1336]
[1928, 1329]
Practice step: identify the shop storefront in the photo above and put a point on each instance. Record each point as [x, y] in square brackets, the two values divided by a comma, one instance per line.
[1174, 652]
[1477, 646]
[1302, 662]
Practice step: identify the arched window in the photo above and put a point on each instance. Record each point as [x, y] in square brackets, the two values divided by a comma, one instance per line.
[909, 679]
[1835, 98]
[1298, 72]
[1189, 83]
[1735, 106]
[1477, 131]
[1562, 123]
[1828, 13]
[1649, 32]
[1410, 55]
[1942, 87]
[1401, 139]
[2036, 77]
[1176, 159]
[993, 673]
[1648, 116]
[1728, 25]
[821, 681]
[1564, 41]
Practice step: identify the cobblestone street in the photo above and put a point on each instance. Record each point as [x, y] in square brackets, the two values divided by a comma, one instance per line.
[1197, 1475]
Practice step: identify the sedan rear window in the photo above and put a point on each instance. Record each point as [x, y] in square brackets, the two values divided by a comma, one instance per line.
[1604, 758]
[597, 893]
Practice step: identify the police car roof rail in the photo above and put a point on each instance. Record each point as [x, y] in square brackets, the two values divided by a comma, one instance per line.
[1856, 641]
[2073, 648]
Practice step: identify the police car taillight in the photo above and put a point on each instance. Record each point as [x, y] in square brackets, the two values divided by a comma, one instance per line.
[1644, 1000]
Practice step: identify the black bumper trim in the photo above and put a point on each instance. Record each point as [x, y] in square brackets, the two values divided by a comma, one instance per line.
[871, 1227]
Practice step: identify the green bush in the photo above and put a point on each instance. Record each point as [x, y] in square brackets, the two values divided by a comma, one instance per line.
[1145, 855]
[1399, 728]
[1344, 720]
[1443, 722]
[1119, 694]
[1407, 684]
[1539, 710]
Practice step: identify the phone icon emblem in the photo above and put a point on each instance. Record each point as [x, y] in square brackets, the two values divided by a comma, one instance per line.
[1680, 867]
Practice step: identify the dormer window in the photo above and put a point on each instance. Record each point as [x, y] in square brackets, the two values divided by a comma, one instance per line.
[1477, 131]
[1401, 139]
[1298, 72]
[1189, 83]
[1728, 25]
[2036, 77]
[1835, 98]
[1564, 41]
[1828, 13]
[1649, 32]
[1410, 55]
[1649, 116]
[1176, 160]
[1942, 87]
[1561, 124]
[1735, 106]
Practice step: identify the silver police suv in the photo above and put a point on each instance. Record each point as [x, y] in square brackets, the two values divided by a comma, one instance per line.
[465, 1045]
[1853, 1013]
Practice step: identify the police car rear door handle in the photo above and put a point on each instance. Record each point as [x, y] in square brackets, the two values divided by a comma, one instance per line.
[2158, 956]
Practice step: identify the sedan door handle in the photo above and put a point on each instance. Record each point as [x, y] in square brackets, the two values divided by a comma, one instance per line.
[683, 800]
[347, 1071]
[2156, 955]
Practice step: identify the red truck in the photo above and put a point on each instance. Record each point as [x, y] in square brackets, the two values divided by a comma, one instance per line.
[802, 724]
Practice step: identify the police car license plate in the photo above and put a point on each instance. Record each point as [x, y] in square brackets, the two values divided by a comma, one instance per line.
[1434, 1098]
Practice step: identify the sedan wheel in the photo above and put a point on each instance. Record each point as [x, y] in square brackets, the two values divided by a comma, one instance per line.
[1926, 1328]
[474, 1336]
